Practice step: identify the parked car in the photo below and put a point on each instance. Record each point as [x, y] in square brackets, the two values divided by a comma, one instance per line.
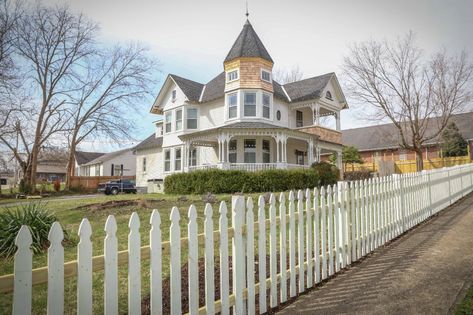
[117, 186]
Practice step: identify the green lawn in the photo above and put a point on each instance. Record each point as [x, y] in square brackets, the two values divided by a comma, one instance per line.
[70, 214]
[466, 306]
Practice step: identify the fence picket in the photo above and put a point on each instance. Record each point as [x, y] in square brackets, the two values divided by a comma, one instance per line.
[224, 269]
[282, 247]
[337, 226]
[353, 222]
[300, 239]
[238, 253]
[134, 266]
[250, 255]
[175, 253]
[273, 262]
[209, 260]
[262, 254]
[323, 229]
[309, 239]
[156, 283]
[111, 267]
[330, 230]
[193, 261]
[292, 246]
[23, 272]
[55, 270]
[84, 269]
[316, 235]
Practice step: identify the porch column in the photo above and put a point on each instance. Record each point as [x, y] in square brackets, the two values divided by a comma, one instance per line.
[310, 151]
[316, 109]
[340, 163]
[284, 149]
[219, 139]
[277, 150]
[317, 153]
[185, 156]
[337, 117]
[227, 154]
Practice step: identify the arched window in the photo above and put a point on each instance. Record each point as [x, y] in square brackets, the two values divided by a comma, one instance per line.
[328, 95]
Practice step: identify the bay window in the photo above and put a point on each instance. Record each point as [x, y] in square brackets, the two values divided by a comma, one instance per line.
[232, 105]
[178, 119]
[266, 105]
[249, 104]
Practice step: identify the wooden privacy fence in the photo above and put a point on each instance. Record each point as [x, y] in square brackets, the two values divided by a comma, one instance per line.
[311, 235]
[92, 182]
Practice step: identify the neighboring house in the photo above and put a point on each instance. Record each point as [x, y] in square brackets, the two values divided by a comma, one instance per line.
[81, 158]
[118, 163]
[382, 142]
[242, 118]
[52, 165]
[148, 166]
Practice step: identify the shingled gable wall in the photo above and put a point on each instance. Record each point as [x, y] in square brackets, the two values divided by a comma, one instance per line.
[325, 134]
[250, 73]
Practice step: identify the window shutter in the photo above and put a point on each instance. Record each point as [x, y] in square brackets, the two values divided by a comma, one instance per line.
[121, 170]
[111, 173]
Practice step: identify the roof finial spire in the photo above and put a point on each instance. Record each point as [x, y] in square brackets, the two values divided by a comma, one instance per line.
[247, 14]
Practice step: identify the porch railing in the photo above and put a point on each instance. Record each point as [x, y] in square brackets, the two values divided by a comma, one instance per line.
[251, 167]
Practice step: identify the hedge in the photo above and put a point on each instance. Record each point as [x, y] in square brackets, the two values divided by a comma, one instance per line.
[218, 181]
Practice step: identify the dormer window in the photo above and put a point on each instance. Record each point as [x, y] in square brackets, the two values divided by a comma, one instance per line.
[265, 75]
[232, 76]
[328, 95]
[173, 95]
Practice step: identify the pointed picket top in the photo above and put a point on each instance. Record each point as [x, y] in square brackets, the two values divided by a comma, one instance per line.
[155, 219]
[322, 191]
[282, 198]
[300, 195]
[249, 203]
[316, 192]
[111, 225]
[175, 216]
[192, 213]
[307, 194]
[261, 201]
[23, 238]
[291, 195]
[134, 223]
[56, 234]
[208, 211]
[85, 230]
[223, 209]
[272, 199]
[329, 189]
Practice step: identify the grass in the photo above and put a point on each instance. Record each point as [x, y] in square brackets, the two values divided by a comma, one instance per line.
[466, 306]
[70, 214]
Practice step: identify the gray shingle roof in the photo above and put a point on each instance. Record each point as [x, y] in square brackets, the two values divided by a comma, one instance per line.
[387, 136]
[248, 44]
[107, 156]
[214, 88]
[190, 88]
[83, 157]
[308, 88]
[149, 143]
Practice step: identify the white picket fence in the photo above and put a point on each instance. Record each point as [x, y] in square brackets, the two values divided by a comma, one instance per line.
[319, 232]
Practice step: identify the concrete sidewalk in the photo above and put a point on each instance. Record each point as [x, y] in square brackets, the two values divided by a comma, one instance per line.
[427, 271]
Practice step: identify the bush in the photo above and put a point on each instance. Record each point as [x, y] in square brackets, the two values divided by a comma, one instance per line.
[57, 185]
[35, 216]
[227, 181]
[328, 173]
[357, 175]
[24, 187]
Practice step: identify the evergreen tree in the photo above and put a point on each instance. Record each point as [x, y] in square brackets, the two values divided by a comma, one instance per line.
[453, 143]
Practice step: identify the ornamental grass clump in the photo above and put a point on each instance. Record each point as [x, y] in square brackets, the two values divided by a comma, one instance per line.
[36, 216]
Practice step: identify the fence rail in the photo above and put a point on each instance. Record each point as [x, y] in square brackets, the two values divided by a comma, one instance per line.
[318, 232]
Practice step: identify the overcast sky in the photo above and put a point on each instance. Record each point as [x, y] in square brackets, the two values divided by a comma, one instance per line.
[192, 38]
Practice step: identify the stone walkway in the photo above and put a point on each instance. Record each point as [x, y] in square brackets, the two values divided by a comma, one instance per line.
[427, 271]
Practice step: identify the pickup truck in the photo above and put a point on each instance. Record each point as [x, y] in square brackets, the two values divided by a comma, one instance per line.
[117, 186]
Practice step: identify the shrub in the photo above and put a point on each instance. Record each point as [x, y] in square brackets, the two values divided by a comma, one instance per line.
[328, 173]
[57, 185]
[35, 216]
[218, 181]
[357, 175]
[24, 187]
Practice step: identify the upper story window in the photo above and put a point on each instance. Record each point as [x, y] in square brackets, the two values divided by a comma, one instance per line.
[232, 105]
[328, 95]
[299, 118]
[167, 160]
[232, 75]
[191, 118]
[249, 108]
[265, 75]
[178, 119]
[250, 151]
[168, 118]
[177, 159]
[173, 95]
[266, 151]
[266, 105]
[232, 151]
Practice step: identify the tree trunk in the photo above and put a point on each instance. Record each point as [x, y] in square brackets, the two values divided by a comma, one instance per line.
[70, 165]
[419, 160]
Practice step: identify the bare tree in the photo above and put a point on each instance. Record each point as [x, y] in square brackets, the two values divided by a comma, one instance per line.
[283, 76]
[116, 81]
[403, 86]
[52, 44]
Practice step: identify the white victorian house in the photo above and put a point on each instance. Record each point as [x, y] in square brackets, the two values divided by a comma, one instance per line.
[242, 119]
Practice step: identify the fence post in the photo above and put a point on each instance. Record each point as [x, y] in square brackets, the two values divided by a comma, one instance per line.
[238, 254]
[22, 271]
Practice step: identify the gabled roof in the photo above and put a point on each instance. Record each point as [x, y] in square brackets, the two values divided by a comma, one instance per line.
[190, 88]
[307, 89]
[214, 88]
[149, 143]
[387, 136]
[248, 44]
[107, 156]
[83, 157]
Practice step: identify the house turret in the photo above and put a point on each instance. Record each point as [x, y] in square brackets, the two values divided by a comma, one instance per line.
[248, 64]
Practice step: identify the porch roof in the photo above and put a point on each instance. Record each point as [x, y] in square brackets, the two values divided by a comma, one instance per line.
[248, 128]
